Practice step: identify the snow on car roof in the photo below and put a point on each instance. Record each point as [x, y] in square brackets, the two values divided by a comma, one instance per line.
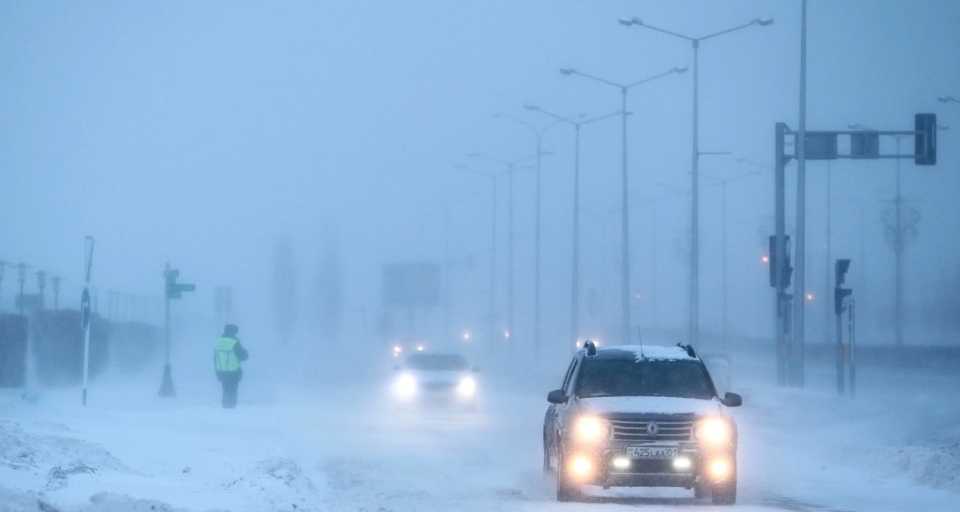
[648, 352]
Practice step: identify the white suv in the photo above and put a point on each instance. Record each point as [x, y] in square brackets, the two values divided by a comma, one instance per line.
[633, 416]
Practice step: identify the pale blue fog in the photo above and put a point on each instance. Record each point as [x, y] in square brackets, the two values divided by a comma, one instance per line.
[359, 185]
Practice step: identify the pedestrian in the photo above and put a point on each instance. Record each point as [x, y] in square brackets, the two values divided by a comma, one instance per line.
[227, 355]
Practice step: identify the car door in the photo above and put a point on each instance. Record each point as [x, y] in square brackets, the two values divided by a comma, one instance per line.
[563, 412]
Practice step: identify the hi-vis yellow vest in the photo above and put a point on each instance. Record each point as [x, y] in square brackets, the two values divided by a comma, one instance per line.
[224, 357]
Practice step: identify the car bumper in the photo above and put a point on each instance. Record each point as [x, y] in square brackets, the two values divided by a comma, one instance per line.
[652, 472]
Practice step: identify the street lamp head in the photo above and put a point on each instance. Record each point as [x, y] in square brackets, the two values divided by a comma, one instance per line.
[763, 22]
[626, 22]
[680, 70]
[946, 99]
[473, 154]
[567, 71]
[530, 106]
[496, 114]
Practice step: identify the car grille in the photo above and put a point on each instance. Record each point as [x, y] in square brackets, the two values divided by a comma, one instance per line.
[636, 430]
[438, 386]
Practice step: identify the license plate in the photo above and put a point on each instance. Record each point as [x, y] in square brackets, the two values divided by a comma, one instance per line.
[652, 452]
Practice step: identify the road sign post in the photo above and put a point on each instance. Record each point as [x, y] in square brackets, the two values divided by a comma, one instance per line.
[174, 290]
[85, 311]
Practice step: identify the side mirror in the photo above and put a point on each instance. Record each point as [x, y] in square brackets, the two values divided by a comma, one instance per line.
[557, 396]
[732, 400]
[475, 369]
[397, 367]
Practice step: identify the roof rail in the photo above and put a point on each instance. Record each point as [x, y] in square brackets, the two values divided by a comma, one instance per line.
[590, 347]
[689, 348]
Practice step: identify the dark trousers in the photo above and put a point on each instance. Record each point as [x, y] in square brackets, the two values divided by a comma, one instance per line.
[230, 381]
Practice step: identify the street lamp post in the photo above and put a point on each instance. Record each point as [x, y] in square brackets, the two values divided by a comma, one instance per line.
[493, 244]
[21, 278]
[575, 292]
[723, 186]
[625, 234]
[538, 135]
[3, 266]
[695, 207]
[511, 167]
[56, 292]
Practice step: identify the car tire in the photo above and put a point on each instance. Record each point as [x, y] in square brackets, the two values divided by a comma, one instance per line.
[566, 490]
[546, 455]
[725, 493]
[700, 490]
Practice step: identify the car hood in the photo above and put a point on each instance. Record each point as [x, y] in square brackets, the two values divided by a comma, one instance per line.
[603, 405]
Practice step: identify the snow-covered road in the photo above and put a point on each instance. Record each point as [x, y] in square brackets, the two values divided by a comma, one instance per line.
[340, 447]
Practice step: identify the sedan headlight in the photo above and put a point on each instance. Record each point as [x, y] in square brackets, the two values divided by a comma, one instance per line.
[406, 386]
[467, 387]
[714, 431]
[591, 428]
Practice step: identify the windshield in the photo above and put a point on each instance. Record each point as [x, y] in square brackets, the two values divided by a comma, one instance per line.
[436, 362]
[682, 379]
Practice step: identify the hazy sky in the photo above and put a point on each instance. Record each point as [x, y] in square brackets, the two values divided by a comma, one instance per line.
[200, 133]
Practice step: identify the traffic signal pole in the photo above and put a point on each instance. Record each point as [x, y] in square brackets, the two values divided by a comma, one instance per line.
[166, 386]
[821, 145]
[173, 291]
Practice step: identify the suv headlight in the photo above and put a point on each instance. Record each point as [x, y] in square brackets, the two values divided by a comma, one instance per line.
[714, 431]
[592, 428]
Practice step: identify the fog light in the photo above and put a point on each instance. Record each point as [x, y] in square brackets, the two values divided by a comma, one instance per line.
[621, 463]
[720, 469]
[681, 463]
[581, 465]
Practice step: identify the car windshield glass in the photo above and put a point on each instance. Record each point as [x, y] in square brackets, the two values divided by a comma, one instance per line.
[680, 379]
[436, 362]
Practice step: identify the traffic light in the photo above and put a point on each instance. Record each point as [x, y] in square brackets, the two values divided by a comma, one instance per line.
[839, 293]
[775, 260]
[840, 270]
[925, 141]
[174, 290]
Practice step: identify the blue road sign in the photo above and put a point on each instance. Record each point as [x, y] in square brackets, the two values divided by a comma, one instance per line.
[85, 309]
